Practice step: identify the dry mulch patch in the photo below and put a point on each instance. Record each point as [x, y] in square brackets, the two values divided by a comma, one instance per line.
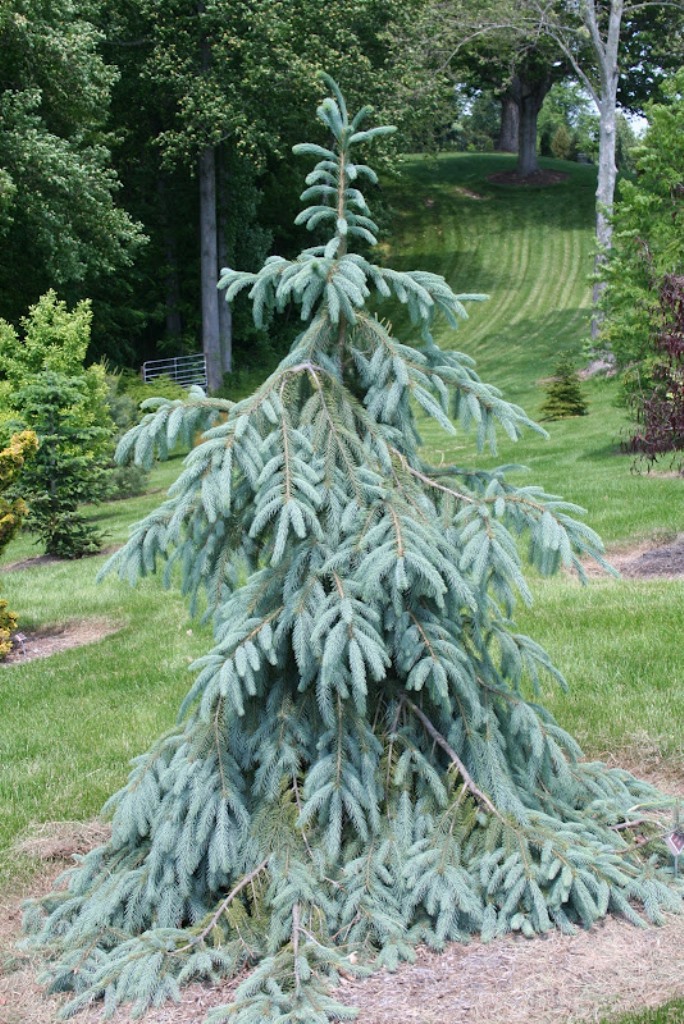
[36, 561]
[41, 643]
[651, 560]
[554, 979]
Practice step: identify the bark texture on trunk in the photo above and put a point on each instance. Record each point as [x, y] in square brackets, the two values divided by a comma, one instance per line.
[530, 95]
[208, 227]
[211, 339]
[225, 312]
[606, 46]
[510, 124]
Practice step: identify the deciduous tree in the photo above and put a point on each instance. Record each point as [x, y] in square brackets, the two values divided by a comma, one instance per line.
[60, 224]
[493, 45]
[230, 72]
[642, 301]
[596, 38]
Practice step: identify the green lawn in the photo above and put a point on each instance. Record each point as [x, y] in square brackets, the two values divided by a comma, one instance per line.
[618, 642]
[670, 1013]
[70, 724]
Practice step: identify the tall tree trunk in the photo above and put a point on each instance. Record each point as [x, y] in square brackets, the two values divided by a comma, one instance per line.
[606, 47]
[211, 332]
[211, 338]
[225, 312]
[510, 124]
[530, 99]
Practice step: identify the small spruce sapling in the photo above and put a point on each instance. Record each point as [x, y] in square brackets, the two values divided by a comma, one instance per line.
[358, 765]
[563, 392]
[68, 469]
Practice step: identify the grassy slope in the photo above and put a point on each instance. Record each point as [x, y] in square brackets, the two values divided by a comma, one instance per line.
[531, 249]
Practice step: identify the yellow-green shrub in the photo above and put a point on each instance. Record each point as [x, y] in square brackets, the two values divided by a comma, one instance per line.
[12, 513]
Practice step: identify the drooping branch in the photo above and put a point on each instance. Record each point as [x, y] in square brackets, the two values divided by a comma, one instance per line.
[468, 780]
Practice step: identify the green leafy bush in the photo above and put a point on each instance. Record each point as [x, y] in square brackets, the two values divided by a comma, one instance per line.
[133, 387]
[123, 481]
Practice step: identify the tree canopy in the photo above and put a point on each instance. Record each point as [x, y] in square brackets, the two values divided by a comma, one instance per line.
[60, 221]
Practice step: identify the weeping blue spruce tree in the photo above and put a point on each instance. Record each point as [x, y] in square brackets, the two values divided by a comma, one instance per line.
[358, 766]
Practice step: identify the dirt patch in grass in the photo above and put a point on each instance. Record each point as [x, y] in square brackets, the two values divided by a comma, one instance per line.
[36, 561]
[62, 840]
[556, 979]
[540, 179]
[651, 559]
[41, 643]
[644, 758]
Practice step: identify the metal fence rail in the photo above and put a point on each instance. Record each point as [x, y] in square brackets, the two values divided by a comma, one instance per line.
[184, 370]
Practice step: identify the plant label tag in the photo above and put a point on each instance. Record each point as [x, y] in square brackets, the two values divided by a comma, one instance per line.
[675, 842]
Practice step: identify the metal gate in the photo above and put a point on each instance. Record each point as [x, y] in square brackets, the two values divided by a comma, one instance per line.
[184, 370]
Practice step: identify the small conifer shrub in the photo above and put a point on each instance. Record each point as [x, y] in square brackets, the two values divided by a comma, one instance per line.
[358, 766]
[563, 393]
[69, 467]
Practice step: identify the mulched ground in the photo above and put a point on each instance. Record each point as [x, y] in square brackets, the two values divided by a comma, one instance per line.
[36, 561]
[41, 643]
[555, 979]
[651, 561]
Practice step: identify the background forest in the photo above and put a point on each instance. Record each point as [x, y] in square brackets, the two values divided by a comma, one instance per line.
[143, 145]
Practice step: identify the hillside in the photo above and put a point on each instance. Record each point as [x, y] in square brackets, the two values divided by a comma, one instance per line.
[531, 250]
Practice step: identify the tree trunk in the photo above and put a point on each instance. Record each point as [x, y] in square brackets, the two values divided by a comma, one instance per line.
[527, 152]
[510, 124]
[211, 339]
[605, 190]
[606, 47]
[225, 320]
[530, 99]
[211, 332]
[225, 312]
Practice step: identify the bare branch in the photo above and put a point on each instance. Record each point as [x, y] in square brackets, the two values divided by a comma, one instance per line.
[468, 780]
[223, 906]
